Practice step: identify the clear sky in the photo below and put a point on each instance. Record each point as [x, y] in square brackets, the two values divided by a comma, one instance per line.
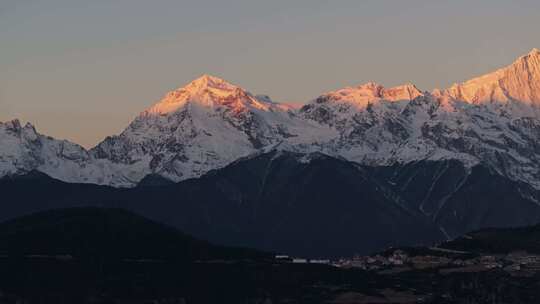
[82, 70]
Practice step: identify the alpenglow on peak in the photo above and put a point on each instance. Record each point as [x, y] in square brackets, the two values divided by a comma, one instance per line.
[207, 91]
[518, 82]
[360, 96]
[209, 81]
[208, 123]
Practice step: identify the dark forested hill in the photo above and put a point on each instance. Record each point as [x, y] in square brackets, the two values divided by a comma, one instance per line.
[104, 256]
[91, 232]
[304, 204]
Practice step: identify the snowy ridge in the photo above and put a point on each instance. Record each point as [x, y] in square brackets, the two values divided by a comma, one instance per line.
[23, 149]
[518, 82]
[493, 119]
[205, 125]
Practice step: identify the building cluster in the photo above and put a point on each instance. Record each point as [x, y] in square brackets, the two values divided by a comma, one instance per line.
[523, 262]
[514, 262]
[376, 262]
[296, 260]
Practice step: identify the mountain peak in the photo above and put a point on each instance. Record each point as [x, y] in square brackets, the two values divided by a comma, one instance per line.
[535, 52]
[207, 91]
[518, 82]
[209, 81]
[204, 85]
[13, 124]
[371, 85]
[532, 58]
[406, 91]
[370, 92]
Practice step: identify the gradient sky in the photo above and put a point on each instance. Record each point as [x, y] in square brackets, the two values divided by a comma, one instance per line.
[82, 70]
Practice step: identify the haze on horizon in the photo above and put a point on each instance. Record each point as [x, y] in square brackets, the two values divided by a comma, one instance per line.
[94, 65]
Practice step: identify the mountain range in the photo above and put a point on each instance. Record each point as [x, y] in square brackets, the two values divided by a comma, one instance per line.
[366, 167]
[493, 120]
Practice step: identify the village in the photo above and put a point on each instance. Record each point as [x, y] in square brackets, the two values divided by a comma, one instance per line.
[517, 263]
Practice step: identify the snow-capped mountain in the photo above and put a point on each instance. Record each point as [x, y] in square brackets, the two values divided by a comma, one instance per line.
[203, 126]
[519, 82]
[493, 119]
[23, 150]
[479, 121]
